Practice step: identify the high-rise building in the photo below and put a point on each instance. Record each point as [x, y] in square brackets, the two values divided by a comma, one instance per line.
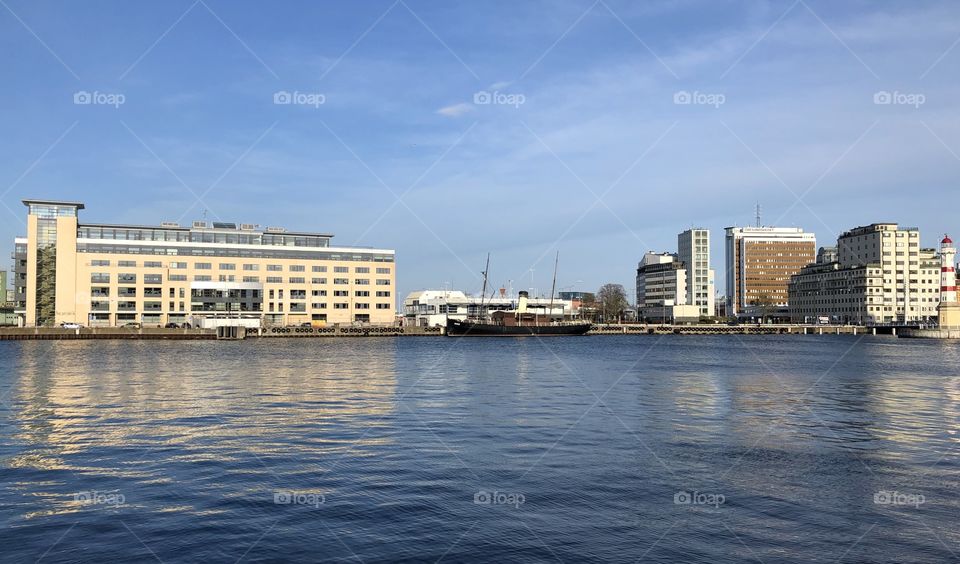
[4, 297]
[693, 250]
[108, 275]
[661, 284]
[760, 262]
[880, 275]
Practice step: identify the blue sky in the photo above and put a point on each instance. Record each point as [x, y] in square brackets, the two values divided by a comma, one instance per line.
[584, 148]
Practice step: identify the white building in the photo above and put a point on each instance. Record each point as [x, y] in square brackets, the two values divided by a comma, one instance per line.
[662, 289]
[430, 308]
[881, 275]
[693, 250]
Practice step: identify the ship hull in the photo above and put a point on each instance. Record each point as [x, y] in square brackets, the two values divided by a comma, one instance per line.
[457, 328]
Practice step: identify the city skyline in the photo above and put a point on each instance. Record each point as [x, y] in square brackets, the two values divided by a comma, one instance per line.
[319, 117]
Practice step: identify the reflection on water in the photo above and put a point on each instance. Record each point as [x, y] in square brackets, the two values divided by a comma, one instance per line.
[179, 449]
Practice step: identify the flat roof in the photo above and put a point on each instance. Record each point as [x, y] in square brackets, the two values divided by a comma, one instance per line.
[210, 229]
[78, 205]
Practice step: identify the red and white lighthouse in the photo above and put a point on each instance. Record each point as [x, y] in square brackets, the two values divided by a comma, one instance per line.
[949, 309]
[948, 271]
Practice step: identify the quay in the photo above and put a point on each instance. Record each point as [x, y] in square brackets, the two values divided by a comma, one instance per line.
[240, 333]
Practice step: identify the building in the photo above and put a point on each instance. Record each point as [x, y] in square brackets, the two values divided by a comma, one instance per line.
[431, 308]
[5, 296]
[759, 264]
[949, 309]
[880, 275]
[693, 250]
[109, 275]
[662, 289]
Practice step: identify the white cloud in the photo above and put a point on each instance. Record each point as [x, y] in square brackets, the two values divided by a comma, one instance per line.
[456, 110]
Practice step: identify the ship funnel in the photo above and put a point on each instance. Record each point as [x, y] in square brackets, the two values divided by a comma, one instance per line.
[522, 304]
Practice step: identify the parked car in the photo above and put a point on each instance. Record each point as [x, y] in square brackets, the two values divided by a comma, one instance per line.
[307, 324]
[132, 325]
[66, 325]
[171, 326]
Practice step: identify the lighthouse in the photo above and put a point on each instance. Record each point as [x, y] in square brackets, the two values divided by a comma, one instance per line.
[949, 309]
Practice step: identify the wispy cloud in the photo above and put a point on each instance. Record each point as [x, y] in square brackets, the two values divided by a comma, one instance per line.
[456, 110]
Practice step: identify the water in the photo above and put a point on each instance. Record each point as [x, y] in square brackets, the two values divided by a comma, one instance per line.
[619, 449]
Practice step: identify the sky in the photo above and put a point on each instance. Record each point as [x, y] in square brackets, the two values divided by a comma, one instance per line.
[449, 130]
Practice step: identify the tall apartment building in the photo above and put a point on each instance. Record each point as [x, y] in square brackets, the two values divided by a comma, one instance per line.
[880, 275]
[106, 275]
[693, 250]
[760, 262]
[661, 284]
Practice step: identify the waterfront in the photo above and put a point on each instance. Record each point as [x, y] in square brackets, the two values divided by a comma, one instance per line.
[174, 451]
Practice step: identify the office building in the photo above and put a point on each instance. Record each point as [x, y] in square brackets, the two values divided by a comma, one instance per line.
[880, 275]
[759, 264]
[110, 275]
[662, 289]
[693, 250]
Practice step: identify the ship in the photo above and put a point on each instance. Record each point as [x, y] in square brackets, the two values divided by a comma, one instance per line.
[519, 322]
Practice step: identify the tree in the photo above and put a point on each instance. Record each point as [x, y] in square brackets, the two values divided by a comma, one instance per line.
[766, 305]
[611, 300]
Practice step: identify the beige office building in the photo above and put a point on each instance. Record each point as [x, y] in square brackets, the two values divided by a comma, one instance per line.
[111, 275]
[878, 274]
[693, 250]
[760, 262]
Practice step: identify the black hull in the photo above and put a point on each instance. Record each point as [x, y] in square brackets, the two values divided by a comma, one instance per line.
[456, 328]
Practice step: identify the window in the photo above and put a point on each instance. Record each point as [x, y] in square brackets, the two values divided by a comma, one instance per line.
[153, 292]
[251, 267]
[177, 278]
[274, 268]
[227, 266]
[320, 293]
[152, 264]
[319, 269]
[153, 279]
[362, 281]
[202, 265]
[383, 306]
[201, 278]
[251, 278]
[127, 292]
[341, 281]
[127, 264]
[383, 281]
[318, 280]
[341, 293]
[127, 278]
[362, 306]
[99, 292]
[383, 293]
[382, 270]
[362, 270]
[298, 294]
[341, 269]
[227, 278]
[178, 265]
[100, 277]
[341, 306]
[297, 280]
[99, 263]
[362, 293]
[297, 268]
[274, 279]
[316, 305]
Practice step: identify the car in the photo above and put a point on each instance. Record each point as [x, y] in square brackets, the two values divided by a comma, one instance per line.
[186, 326]
[308, 324]
[66, 325]
[171, 326]
[131, 325]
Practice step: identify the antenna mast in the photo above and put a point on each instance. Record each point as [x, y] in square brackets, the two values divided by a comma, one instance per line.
[758, 215]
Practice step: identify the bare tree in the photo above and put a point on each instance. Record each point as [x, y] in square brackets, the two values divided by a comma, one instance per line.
[612, 300]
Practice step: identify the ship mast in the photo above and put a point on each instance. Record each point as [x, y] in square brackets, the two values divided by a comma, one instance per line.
[483, 293]
[553, 287]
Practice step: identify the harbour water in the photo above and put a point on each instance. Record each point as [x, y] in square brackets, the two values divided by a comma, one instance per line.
[583, 449]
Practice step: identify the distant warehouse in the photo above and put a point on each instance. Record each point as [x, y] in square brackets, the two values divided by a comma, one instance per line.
[112, 275]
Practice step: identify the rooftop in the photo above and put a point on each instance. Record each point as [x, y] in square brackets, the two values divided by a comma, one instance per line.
[78, 205]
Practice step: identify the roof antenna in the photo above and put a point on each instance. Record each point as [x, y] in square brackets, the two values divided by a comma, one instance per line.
[758, 214]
